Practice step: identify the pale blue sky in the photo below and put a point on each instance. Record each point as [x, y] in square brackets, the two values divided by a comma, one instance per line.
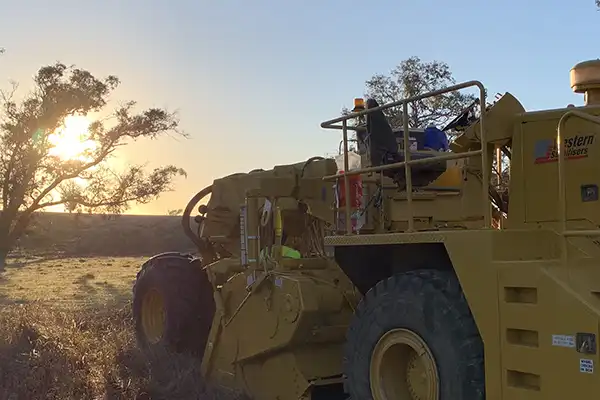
[252, 80]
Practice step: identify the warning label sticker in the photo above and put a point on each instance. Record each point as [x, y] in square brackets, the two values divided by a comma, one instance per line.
[586, 366]
[563, 340]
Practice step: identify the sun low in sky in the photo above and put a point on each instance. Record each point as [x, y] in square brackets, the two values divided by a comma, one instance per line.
[71, 141]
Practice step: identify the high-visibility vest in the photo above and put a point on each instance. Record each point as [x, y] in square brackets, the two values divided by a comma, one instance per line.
[286, 252]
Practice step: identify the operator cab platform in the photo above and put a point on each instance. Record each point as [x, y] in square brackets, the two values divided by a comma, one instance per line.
[385, 146]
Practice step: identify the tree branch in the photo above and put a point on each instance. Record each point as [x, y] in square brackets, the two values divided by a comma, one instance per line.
[35, 205]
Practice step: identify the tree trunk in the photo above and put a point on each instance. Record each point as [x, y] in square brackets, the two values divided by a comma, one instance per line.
[9, 237]
[3, 255]
[5, 247]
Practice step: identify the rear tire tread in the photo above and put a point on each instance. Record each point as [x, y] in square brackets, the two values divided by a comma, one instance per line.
[188, 297]
[444, 310]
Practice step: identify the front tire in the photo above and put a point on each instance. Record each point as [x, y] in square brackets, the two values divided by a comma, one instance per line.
[412, 337]
[173, 304]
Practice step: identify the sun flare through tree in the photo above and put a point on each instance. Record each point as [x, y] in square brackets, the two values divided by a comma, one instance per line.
[52, 155]
[72, 140]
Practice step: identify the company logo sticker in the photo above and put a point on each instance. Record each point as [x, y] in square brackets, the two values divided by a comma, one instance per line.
[576, 147]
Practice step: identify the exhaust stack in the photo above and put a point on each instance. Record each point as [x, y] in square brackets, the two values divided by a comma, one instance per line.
[585, 78]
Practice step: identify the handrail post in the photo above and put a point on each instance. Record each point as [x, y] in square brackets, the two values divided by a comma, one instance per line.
[407, 168]
[499, 180]
[562, 185]
[346, 177]
[485, 173]
[562, 192]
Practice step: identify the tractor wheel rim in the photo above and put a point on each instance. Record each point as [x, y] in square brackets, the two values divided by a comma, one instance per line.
[153, 316]
[403, 367]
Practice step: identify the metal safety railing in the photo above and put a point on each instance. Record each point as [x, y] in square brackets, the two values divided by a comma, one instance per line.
[407, 163]
[562, 187]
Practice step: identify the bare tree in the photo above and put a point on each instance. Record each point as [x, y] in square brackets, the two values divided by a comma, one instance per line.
[33, 178]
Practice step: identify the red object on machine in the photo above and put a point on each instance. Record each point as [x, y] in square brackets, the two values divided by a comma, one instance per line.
[356, 191]
[356, 197]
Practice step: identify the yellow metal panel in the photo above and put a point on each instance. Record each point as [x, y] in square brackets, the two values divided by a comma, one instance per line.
[557, 308]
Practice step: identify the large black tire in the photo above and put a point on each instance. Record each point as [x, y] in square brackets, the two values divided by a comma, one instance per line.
[431, 304]
[187, 298]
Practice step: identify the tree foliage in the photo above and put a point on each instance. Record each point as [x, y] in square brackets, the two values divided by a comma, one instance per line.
[413, 77]
[32, 178]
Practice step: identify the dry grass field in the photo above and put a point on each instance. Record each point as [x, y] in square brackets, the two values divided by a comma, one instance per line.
[72, 283]
[65, 320]
[60, 234]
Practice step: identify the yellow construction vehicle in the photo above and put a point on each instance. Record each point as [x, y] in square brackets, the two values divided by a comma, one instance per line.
[411, 276]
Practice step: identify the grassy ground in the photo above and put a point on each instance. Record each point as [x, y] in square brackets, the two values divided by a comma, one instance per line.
[65, 316]
[70, 283]
[61, 234]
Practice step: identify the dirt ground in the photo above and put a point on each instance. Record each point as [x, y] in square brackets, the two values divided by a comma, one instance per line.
[65, 315]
